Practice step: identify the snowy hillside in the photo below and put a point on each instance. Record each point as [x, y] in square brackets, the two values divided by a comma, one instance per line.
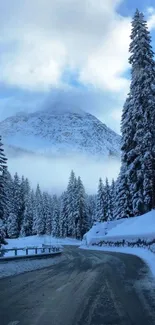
[55, 133]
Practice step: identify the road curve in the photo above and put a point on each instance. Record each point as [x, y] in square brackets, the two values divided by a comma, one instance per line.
[86, 288]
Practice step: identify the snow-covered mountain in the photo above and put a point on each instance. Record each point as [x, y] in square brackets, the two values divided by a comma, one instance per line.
[54, 133]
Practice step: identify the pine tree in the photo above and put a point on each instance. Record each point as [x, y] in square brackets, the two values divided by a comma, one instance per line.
[8, 193]
[100, 204]
[17, 200]
[24, 196]
[2, 236]
[64, 215]
[12, 226]
[3, 167]
[138, 120]
[26, 229]
[91, 203]
[48, 212]
[108, 201]
[38, 218]
[123, 198]
[82, 225]
[56, 217]
[71, 208]
[113, 199]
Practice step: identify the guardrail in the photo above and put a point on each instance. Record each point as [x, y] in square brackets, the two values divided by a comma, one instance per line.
[45, 249]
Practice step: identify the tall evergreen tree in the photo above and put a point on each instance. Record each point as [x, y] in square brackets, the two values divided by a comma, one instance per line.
[3, 167]
[56, 217]
[91, 203]
[82, 224]
[26, 229]
[100, 204]
[113, 199]
[64, 215]
[24, 197]
[8, 190]
[71, 208]
[108, 201]
[48, 212]
[138, 120]
[17, 200]
[12, 226]
[38, 218]
[123, 208]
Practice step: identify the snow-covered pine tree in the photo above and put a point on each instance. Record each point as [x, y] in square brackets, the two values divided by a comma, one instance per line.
[91, 203]
[108, 201]
[47, 212]
[8, 191]
[100, 202]
[2, 235]
[113, 198]
[82, 224]
[3, 167]
[122, 207]
[24, 196]
[38, 217]
[71, 202]
[17, 200]
[64, 215]
[56, 217]
[138, 120]
[27, 223]
[12, 226]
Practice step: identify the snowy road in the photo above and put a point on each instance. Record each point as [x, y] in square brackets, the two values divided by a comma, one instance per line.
[86, 288]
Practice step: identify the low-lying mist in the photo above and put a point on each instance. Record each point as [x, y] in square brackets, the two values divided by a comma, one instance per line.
[53, 173]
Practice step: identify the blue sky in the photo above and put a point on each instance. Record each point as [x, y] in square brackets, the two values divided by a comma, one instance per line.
[71, 52]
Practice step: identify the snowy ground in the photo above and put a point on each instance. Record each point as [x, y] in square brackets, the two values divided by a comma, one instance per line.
[127, 230]
[22, 242]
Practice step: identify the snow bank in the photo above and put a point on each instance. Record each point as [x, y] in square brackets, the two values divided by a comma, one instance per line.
[100, 229]
[142, 227]
[132, 236]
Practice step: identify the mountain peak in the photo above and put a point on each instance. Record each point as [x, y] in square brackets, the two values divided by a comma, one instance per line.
[60, 131]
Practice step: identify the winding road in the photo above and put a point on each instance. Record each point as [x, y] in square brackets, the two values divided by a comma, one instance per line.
[84, 288]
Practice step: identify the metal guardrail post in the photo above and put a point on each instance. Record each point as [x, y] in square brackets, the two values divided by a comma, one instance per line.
[27, 251]
[15, 252]
[36, 251]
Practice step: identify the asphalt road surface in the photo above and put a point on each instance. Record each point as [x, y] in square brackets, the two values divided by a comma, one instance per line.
[85, 288]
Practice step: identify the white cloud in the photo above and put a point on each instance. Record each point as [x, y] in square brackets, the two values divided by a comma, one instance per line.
[47, 37]
[151, 18]
[105, 66]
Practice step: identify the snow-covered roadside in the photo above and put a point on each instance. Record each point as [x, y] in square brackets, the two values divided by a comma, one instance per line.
[10, 268]
[147, 256]
[20, 266]
[22, 242]
[134, 236]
